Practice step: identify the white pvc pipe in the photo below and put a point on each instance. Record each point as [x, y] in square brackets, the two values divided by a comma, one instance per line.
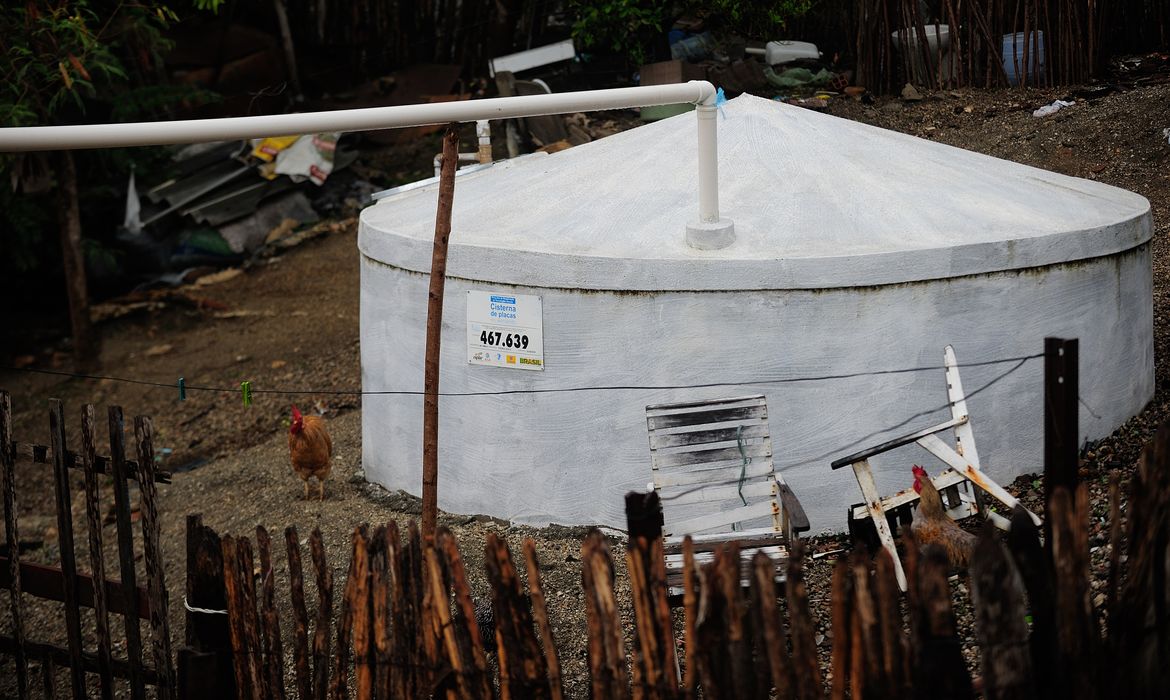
[59, 138]
[463, 158]
[483, 130]
[708, 164]
[709, 232]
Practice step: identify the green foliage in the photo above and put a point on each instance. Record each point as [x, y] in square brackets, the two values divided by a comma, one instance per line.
[68, 61]
[757, 20]
[631, 26]
[59, 56]
[623, 26]
[24, 218]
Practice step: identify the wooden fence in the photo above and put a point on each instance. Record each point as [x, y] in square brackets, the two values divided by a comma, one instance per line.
[67, 583]
[1078, 37]
[409, 627]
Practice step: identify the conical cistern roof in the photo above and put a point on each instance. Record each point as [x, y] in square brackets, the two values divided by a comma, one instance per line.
[817, 202]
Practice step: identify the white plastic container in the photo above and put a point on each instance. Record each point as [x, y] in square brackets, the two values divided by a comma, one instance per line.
[777, 52]
[938, 40]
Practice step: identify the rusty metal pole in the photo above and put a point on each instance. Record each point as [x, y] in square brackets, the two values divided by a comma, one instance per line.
[430, 485]
[1061, 414]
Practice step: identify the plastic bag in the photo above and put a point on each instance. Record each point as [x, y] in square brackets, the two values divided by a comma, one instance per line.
[1052, 108]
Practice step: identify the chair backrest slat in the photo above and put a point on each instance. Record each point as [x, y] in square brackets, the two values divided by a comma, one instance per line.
[712, 465]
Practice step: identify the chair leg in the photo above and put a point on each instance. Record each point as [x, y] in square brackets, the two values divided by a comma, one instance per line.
[873, 503]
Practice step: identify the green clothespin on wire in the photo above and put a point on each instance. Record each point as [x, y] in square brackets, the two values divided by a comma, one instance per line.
[246, 391]
[182, 389]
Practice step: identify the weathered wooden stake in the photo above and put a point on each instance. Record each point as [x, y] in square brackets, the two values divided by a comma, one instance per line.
[468, 635]
[206, 665]
[122, 506]
[152, 553]
[540, 613]
[245, 578]
[940, 673]
[842, 613]
[774, 640]
[690, 619]
[324, 616]
[430, 492]
[269, 621]
[8, 486]
[997, 596]
[296, 579]
[803, 631]
[380, 612]
[63, 489]
[235, 616]
[353, 580]
[654, 659]
[93, 519]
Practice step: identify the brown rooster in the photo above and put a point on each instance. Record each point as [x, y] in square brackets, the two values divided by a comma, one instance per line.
[933, 526]
[311, 448]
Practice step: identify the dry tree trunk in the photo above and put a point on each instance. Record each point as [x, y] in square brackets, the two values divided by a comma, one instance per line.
[73, 259]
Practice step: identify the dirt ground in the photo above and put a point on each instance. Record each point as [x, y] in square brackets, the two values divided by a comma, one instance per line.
[293, 322]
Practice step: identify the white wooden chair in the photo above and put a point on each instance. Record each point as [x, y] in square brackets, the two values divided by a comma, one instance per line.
[713, 471]
[963, 469]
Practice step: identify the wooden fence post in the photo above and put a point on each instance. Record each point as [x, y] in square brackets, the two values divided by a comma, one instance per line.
[773, 637]
[296, 578]
[803, 630]
[205, 663]
[122, 507]
[93, 519]
[468, 634]
[997, 597]
[1035, 569]
[152, 553]
[523, 672]
[63, 490]
[607, 657]
[540, 613]
[231, 577]
[654, 645]
[842, 615]
[324, 616]
[940, 673]
[11, 539]
[1076, 625]
[269, 621]
[430, 486]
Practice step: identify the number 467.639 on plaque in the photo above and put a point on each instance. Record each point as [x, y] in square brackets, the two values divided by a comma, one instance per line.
[505, 330]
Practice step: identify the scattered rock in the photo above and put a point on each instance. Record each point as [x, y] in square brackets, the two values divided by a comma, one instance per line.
[157, 350]
[911, 94]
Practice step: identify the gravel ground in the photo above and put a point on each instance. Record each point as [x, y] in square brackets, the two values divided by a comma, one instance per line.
[289, 323]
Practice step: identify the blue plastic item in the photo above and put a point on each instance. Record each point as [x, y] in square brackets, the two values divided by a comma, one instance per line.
[693, 48]
[1015, 51]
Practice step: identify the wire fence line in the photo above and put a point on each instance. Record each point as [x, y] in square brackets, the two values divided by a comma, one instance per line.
[859, 442]
[1019, 362]
[176, 386]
